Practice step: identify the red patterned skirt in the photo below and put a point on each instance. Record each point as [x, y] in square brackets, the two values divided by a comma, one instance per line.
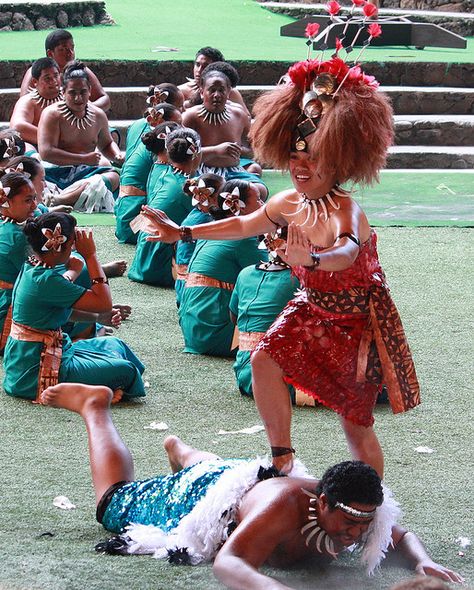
[339, 349]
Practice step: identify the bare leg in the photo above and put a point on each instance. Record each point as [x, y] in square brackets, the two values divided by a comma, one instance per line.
[273, 402]
[181, 455]
[364, 445]
[113, 178]
[110, 459]
[69, 196]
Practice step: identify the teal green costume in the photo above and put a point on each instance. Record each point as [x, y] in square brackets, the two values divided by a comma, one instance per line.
[153, 260]
[204, 311]
[135, 172]
[12, 257]
[42, 300]
[134, 136]
[185, 250]
[163, 500]
[258, 298]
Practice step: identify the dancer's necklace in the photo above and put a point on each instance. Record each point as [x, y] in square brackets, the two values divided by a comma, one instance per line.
[311, 206]
[323, 542]
[213, 118]
[42, 101]
[79, 122]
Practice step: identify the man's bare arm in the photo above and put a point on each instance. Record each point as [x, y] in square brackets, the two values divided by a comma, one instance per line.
[98, 95]
[246, 149]
[26, 82]
[411, 547]
[22, 120]
[106, 144]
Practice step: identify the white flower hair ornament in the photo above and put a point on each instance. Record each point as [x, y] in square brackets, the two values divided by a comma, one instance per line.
[12, 148]
[232, 201]
[154, 116]
[201, 193]
[20, 169]
[4, 192]
[157, 97]
[55, 239]
[272, 242]
[164, 134]
[193, 147]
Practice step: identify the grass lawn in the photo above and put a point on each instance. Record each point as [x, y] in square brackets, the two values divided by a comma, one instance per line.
[240, 28]
[45, 452]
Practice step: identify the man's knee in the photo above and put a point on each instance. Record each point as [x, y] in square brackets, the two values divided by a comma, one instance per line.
[262, 361]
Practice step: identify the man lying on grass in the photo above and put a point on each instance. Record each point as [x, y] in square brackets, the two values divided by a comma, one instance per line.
[235, 511]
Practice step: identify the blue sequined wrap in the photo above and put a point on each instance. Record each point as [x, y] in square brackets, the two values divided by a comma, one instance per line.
[164, 500]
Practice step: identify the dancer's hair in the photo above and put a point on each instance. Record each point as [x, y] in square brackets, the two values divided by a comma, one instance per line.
[11, 141]
[218, 212]
[179, 142]
[15, 181]
[154, 140]
[55, 38]
[43, 63]
[351, 481]
[210, 53]
[33, 228]
[168, 110]
[75, 70]
[209, 72]
[211, 181]
[351, 139]
[225, 68]
[175, 96]
[31, 166]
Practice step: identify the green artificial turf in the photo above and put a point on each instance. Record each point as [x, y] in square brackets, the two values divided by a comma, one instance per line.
[240, 28]
[44, 451]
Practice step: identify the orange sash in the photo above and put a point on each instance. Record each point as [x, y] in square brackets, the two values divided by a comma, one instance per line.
[249, 340]
[194, 279]
[131, 191]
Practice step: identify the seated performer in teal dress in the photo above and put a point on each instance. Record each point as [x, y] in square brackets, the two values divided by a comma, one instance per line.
[260, 294]
[17, 204]
[212, 273]
[135, 177]
[152, 263]
[203, 191]
[157, 96]
[38, 353]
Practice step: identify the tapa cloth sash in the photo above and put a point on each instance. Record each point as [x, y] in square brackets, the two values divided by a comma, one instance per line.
[51, 353]
[249, 340]
[131, 191]
[384, 327]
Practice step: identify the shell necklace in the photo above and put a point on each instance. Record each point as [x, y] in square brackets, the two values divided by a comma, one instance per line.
[324, 543]
[42, 101]
[79, 122]
[312, 206]
[213, 118]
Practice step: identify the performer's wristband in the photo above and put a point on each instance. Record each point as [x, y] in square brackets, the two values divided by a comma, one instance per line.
[100, 281]
[186, 233]
[280, 451]
[316, 258]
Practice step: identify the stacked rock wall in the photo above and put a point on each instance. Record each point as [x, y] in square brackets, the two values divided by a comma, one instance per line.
[29, 16]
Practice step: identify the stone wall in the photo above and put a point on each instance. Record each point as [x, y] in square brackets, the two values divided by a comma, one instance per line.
[29, 16]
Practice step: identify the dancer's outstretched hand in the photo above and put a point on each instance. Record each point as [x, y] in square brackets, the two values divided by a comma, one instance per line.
[165, 230]
[430, 568]
[297, 251]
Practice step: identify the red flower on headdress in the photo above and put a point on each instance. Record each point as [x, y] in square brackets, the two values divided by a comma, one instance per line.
[333, 7]
[338, 44]
[358, 2]
[312, 29]
[369, 10]
[375, 30]
[299, 73]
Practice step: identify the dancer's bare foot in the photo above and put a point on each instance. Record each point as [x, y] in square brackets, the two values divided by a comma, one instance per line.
[118, 395]
[125, 310]
[77, 397]
[173, 445]
[114, 269]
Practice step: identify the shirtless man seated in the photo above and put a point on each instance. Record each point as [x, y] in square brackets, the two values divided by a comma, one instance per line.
[73, 136]
[59, 45]
[46, 84]
[223, 127]
[258, 519]
[204, 57]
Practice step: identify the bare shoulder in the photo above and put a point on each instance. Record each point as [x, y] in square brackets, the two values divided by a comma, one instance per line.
[191, 115]
[98, 113]
[51, 113]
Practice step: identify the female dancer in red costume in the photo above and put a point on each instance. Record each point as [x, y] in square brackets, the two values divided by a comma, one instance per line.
[341, 338]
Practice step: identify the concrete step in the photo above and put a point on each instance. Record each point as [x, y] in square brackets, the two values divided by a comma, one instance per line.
[427, 156]
[129, 102]
[461, 23]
